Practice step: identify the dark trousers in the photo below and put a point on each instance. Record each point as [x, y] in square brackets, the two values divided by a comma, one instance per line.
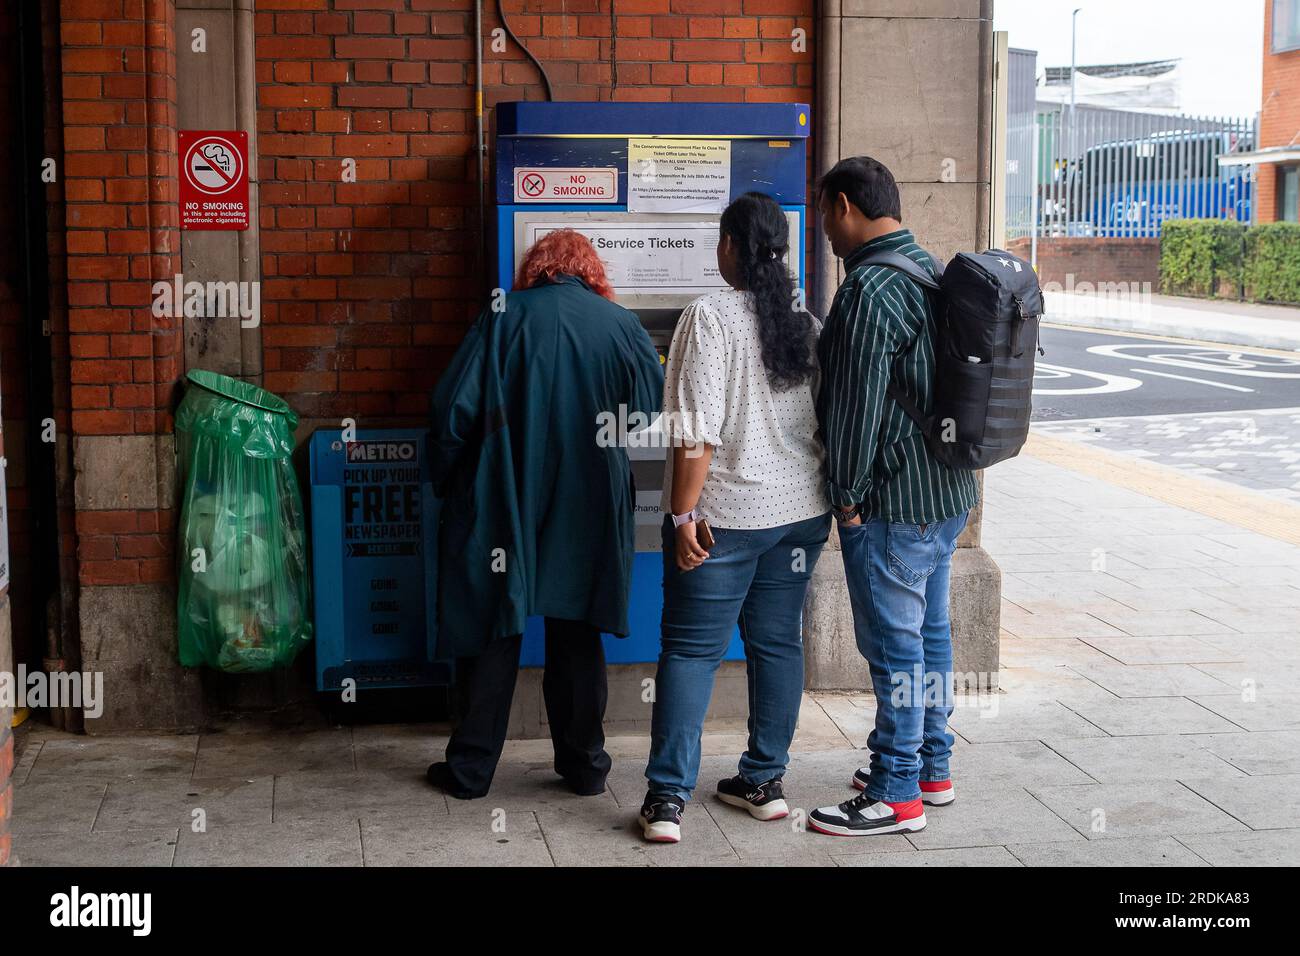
[575, 692]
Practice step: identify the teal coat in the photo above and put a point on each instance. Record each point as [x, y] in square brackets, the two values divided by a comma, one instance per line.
[537, 517]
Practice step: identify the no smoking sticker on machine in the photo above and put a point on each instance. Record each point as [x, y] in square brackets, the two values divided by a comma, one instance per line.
[566, 184]
[214, 179]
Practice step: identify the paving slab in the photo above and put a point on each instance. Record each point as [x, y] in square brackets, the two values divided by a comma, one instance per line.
[1015, 761]
[990, 816]
[1134, 716]
[1151, 680]
[1259, 753]
[73, 756]
[1133, 759]
[1020, 720]
[141, 804]
[980, 856]
[267, 753]
[1266, 712]
[1121, 810]
[398, 747]
[151, 847]
[609, 835]
[57, 805]
[1172, 649]
[321, 796]
[524, 787]
[1138, 851]
[1262, 803]
[272, 844]
[1162, 623]
[509, 838]
[1262, 848]
[1059, 625]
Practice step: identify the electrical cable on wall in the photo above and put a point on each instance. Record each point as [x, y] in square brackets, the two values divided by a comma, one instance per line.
[505, 25]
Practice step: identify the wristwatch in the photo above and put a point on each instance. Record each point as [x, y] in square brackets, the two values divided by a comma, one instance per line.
[848, 514]
[679, 520]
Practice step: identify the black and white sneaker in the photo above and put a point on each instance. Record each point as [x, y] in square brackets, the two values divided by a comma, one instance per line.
[764, 801]
[934, 793]
[661, 818]
[864, 816]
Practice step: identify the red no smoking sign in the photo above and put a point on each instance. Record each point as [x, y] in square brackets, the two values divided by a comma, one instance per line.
[213, 178]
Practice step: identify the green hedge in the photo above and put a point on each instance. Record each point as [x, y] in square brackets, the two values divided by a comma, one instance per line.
[1217, 258]
[1202, 257]
[1272, 271]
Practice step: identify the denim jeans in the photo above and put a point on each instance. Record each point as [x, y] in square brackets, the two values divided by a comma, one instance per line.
[757, 578]
[898, 584]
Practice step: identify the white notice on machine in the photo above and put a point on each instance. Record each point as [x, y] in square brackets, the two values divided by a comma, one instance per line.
[678, 175]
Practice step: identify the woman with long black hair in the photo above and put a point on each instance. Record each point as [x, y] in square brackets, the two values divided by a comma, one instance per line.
[746, 463]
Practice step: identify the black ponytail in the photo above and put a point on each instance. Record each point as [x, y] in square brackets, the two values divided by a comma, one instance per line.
[758, 227]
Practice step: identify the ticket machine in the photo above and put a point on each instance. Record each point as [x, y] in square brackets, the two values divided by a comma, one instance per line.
[646, 183]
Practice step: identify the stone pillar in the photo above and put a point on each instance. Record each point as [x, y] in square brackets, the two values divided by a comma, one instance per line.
[215, 89]
[913, 89]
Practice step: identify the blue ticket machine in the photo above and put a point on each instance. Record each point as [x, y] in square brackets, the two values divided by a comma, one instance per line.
[646, 183]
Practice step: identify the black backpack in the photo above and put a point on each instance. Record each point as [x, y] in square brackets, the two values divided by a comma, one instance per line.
[987, 307]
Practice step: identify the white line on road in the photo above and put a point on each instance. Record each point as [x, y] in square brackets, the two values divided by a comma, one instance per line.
[1188, 378]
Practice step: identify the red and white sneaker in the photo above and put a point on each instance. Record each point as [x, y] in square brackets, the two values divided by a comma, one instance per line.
[935, 793]
[863, 816]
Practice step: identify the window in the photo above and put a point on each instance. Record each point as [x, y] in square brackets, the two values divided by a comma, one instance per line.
[1286, 25]
[1288, 194]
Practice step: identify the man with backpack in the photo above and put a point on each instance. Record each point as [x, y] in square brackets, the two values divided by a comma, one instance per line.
[899, 508]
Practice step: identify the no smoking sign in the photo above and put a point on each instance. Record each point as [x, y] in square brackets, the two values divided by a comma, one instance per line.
[213, 179]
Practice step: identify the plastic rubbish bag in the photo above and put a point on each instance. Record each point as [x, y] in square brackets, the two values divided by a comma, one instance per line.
[244, 594]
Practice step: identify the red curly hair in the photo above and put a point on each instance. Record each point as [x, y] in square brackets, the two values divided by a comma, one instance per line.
[563, 252]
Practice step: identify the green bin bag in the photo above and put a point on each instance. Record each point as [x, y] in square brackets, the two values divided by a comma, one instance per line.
[244, 599]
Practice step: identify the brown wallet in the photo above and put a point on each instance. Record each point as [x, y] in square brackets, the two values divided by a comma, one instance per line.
[703, 534]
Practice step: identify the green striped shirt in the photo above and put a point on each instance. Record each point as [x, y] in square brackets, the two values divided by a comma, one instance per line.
[881, 326]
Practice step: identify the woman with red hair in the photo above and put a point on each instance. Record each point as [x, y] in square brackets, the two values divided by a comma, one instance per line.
[537, 505]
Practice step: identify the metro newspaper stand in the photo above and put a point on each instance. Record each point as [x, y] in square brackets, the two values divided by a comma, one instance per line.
[645, 182]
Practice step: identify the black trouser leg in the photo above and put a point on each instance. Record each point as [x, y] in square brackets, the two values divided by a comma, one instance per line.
[576, 692]
[485, 686]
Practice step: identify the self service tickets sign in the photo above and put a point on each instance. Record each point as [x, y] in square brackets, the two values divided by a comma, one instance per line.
[214, 179]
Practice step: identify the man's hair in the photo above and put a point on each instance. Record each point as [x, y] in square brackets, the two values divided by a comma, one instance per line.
[867, 184]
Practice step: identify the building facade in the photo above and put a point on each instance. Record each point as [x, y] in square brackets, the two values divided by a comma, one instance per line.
[1278, 172]
[368, 282]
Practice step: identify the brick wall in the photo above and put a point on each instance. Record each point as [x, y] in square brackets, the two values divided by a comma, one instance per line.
[1279, 118]
[1072, 261]
[119, 175]
[368, 286]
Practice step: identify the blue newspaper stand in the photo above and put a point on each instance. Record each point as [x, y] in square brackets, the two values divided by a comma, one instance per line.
[373, 527]
[645, 182]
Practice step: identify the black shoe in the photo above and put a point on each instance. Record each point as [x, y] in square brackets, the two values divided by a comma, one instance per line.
[440, 775]
[585, 788]
[764, 801]
[661, 818]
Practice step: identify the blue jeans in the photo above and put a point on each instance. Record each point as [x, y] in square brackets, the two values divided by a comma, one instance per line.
[757, 578]
[898, 584]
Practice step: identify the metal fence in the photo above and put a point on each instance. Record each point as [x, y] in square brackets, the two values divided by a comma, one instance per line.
[1114, 173]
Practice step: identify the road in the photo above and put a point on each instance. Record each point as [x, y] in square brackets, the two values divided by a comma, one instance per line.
[1223, 411]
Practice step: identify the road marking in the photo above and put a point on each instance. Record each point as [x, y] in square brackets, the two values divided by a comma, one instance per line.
[1109, 383]
[1245, 362]
[1188, 378]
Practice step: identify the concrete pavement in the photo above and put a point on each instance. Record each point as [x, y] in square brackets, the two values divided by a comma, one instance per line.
[1147, 716]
